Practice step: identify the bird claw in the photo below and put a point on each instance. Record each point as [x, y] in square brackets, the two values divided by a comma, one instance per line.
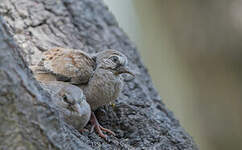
[107, 130]
[83, 130]
[99, 128]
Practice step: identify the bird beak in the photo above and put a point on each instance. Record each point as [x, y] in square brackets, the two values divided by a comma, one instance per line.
[125, 70]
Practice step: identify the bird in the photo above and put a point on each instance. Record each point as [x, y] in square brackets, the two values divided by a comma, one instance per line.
[98, 75]
[71, 102]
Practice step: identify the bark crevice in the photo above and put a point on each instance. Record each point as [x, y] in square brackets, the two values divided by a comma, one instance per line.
[28, 27]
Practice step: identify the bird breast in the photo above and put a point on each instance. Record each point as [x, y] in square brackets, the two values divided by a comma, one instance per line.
[102, 88]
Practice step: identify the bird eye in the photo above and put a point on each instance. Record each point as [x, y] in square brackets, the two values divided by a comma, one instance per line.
[65, 98]
[114, 59]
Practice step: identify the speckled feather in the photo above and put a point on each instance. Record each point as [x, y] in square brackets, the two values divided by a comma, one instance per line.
[68, 64]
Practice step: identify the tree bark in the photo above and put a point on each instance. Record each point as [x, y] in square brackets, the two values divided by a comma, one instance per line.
[29, 121]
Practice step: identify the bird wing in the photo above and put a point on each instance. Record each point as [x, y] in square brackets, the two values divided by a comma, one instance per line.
[68, 65]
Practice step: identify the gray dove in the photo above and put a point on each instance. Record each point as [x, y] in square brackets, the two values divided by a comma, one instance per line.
[70, 101]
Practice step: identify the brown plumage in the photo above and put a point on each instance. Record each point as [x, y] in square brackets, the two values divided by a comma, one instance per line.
[97, 75]
[65, 64]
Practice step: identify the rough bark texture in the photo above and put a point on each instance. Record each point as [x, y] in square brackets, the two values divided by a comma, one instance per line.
[29, 120]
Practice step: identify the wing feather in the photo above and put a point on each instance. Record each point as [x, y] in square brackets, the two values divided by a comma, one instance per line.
[70, 65]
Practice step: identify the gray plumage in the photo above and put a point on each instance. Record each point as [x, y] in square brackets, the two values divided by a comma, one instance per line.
[70, 101]
[103, 88]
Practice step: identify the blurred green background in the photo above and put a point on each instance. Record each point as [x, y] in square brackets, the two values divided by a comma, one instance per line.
[193, 50]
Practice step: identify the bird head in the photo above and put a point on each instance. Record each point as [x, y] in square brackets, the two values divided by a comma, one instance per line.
[114, 61]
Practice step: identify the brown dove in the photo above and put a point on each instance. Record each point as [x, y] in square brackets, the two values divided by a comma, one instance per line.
[97, 75]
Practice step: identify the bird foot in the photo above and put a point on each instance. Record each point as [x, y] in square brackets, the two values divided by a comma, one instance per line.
[83, 130]
[99, 128]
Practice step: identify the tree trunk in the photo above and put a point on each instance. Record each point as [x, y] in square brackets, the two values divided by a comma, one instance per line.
[29, 121]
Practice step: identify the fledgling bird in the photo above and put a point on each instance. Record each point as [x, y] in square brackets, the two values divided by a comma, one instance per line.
[71, 102]
[97, 75]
